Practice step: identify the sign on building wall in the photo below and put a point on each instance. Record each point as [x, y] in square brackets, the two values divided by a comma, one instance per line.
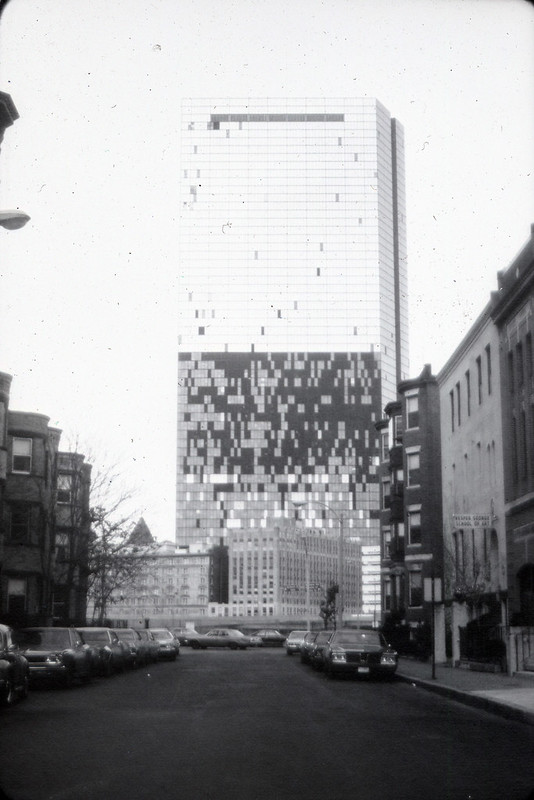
[471, 520]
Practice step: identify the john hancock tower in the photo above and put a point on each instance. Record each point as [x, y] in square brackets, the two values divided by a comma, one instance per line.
[292, 312]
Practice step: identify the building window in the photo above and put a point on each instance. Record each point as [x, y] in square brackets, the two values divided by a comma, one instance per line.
[459, 403]
[519, 366]
[64, 488]
[384, 444]
[528, 355]
[468, 391]
[16, 596]
[515, 449]
[412, 411]
[479, 379]
[415, 589]
[62, 547]
[413, 469]
[414, 527]
[387, 595]
[19, 529]
[523, 453]
[386, 491]
[22, 455]
[386, 539]
[488, 366]
[451, 396]
[511, 376]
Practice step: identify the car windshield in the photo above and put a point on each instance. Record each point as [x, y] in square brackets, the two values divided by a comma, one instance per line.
[128, 636]
[357, 638]
[44, 639]
[296, 634]
[96, 637]
[163, 634]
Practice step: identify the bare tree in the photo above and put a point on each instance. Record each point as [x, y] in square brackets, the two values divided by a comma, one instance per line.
[104, 558]
[114, 561]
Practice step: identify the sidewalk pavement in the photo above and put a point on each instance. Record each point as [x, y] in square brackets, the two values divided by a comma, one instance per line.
[510, 696]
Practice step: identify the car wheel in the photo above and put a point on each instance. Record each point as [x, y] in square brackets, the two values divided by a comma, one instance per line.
[289, 653]
[232, 646]
[195, 645]
[10, 694]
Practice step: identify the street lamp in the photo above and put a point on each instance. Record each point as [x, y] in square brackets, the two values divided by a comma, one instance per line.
[340, 593]
[13, 220]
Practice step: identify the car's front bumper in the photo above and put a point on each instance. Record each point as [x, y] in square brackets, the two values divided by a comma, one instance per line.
[371, 670]
[168, 651]
[47, 670]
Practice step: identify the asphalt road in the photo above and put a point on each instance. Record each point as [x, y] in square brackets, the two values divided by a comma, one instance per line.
[256, 725]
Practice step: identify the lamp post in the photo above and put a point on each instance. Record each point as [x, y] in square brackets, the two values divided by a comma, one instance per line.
[340, 593]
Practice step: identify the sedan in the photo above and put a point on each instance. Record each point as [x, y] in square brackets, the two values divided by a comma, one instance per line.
[294, 641]
[58, 654]
[110, 653]
[359, 652]
[270, 637]
[221, 637]
[169, 646]
[14, 669]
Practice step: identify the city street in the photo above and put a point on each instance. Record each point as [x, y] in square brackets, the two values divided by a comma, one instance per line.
[256, 725]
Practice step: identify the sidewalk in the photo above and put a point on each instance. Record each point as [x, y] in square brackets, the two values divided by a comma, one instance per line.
[509, 696]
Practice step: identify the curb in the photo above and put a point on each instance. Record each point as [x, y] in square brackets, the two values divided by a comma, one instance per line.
[469, 699]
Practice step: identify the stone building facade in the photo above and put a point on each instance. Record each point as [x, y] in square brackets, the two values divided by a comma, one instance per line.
[513, 314]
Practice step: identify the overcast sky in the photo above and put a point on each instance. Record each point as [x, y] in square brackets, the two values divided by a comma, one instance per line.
[88, 288]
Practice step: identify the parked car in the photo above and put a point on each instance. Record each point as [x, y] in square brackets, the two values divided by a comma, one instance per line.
[270, 638]
[110, 653]
[316, 652]
[294, 641]
[151, 644]
[169, 647]
[184, 634]
[359, 652]
[58, 654]
[306, 646]
[221, 637]
[138, 650]
[14, 669]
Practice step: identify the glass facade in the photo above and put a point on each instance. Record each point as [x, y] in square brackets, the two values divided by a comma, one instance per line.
[292, 312]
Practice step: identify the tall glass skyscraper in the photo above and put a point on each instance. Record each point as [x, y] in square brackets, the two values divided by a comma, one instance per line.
[292, 313]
